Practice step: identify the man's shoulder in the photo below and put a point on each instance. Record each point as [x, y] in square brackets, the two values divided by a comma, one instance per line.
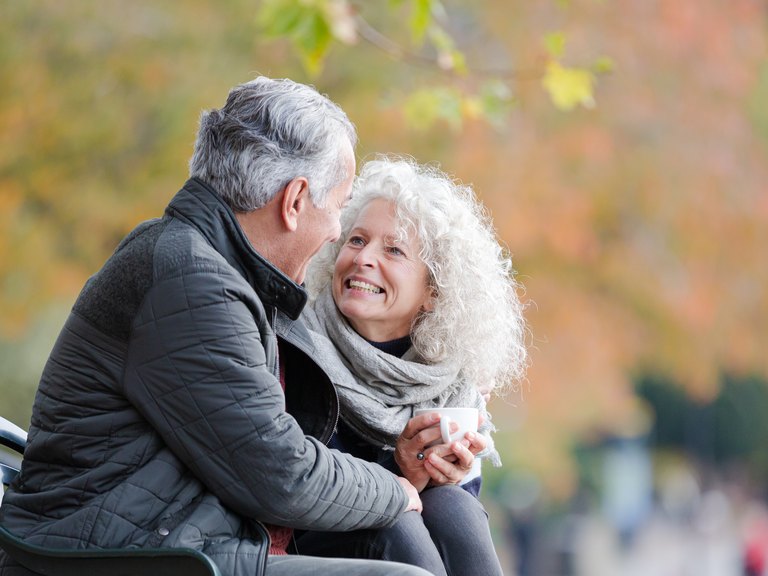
[181, 249]
[166, 247]
[112, 295]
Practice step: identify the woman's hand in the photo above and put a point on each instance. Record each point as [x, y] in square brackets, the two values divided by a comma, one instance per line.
[412, 442]
[450, 463]
[440, 464]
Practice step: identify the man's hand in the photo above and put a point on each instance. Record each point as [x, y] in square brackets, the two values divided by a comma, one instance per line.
[414, 502]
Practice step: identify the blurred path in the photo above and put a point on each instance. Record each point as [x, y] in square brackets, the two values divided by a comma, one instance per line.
[708, 547]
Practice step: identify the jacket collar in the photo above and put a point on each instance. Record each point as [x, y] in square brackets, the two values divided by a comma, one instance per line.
[198, 204]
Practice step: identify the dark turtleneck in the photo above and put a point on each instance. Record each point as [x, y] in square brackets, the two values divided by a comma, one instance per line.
[396, 347]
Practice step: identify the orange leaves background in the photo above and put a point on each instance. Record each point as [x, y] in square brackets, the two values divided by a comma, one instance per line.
[638, 227]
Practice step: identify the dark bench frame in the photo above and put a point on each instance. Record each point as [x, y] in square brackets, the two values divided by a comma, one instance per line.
[102, 562]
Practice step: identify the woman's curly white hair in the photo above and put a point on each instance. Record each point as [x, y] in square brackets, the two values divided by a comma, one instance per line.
[477, 319]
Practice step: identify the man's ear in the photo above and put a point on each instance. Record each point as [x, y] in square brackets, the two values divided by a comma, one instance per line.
[295, 198]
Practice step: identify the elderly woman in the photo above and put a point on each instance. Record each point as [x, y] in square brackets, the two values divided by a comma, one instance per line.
[415, 307]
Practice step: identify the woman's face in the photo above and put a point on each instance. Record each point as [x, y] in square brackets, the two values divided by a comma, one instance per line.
[380, 284]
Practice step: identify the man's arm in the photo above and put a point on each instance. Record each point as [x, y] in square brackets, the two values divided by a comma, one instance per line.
[197, 371]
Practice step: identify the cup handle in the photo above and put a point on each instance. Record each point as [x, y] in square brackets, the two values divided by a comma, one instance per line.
[445, 428]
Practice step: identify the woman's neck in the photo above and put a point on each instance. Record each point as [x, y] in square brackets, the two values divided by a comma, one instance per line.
[396, 347]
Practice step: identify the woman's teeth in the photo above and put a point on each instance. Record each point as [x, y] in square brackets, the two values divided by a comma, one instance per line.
[364, 286]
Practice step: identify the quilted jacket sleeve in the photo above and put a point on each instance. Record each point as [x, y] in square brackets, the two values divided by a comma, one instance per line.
[197, 371]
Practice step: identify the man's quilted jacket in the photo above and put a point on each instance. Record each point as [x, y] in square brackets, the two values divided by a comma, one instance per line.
[160, 418]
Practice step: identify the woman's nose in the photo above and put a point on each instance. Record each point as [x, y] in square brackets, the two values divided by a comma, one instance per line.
[365, 257]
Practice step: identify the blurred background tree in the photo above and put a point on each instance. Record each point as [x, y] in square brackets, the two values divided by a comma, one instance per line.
[635, 204]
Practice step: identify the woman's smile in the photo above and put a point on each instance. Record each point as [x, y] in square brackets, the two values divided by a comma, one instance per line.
[363, 286]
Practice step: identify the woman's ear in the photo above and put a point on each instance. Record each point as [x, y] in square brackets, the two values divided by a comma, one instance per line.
[429, 303]
[295, 197]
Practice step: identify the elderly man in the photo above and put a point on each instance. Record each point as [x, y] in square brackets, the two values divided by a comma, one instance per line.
[180, 405]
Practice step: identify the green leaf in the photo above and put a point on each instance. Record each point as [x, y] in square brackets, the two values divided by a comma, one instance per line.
[314, 42]
[554, 42]
[425, 107]
[758, 112]
[496, 100]
[569, 87]
[305, 24]
[459, 61]
[603, 65]
[441, 40]
[421, 18]
[280, 17]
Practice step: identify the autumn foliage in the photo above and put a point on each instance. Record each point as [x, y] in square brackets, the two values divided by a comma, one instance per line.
[635, 206]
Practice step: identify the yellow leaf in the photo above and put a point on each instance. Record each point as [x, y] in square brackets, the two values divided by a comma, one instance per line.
[472, 107]
[555, 43]
[569, 87]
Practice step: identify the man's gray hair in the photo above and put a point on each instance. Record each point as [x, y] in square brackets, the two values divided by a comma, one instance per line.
[268, 133]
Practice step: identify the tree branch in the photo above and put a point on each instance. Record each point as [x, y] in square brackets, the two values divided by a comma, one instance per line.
[397, 52]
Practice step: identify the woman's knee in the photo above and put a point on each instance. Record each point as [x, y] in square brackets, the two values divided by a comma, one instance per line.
[408, 532]
[448, 507]
[409, 541]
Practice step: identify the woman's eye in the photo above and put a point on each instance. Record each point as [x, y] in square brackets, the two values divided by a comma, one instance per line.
[395, 251]
[356, 241]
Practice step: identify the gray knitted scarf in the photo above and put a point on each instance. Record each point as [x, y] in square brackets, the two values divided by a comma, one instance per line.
[378, 392]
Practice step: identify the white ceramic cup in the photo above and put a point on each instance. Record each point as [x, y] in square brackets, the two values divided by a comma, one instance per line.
[466, 418]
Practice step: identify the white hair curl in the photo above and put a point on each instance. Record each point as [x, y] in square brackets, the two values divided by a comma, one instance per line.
[477, 320]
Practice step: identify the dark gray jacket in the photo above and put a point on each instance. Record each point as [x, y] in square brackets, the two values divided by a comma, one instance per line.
[160, 418]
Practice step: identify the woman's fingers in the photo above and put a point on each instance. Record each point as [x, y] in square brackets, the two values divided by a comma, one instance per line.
[419, 423]
[440, 471]
[465, 457]
[411, 448]
[477, 442]
[443, 472]
[449, 468]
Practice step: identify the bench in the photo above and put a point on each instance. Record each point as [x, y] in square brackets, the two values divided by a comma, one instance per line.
[95, 562]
